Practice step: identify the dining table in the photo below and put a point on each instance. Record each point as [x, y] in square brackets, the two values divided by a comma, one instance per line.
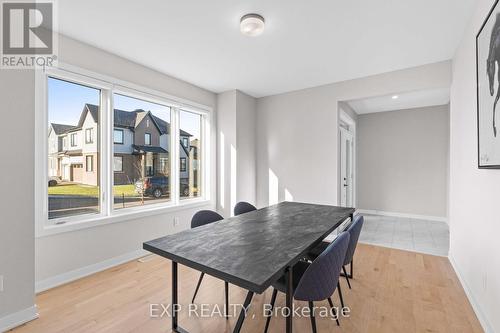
[252, 250]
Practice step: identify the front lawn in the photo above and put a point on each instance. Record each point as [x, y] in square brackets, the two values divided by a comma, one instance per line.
[91, 191]
[127, 190]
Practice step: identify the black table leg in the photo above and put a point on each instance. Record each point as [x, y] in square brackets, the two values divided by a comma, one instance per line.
[175, 301]
[241, 318]
[226, 291]
[174, 296]
[289, 299]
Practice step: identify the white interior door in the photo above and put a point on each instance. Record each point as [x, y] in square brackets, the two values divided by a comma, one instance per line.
[346, 168]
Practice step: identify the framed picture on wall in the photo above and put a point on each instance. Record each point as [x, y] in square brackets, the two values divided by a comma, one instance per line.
[488, 90]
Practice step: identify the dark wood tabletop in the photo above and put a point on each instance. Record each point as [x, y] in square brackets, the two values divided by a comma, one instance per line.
[252, 250]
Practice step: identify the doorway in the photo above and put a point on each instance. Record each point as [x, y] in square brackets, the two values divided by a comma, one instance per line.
[347, 160]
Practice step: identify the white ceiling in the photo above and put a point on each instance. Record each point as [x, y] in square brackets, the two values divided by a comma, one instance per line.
[407, 100]
[305, 43]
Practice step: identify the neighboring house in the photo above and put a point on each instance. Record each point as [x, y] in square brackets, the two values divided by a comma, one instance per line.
[141, 148]
[56, 148]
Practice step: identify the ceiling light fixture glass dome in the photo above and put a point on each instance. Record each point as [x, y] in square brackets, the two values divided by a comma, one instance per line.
[252, 25]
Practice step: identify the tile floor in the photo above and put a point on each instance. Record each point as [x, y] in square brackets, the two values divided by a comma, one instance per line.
[406, 234]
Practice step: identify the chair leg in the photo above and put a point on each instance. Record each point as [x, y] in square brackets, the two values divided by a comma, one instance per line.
[313, 320]
[197, 287]
[273, 300]
[226, 292]
[351, 265]
[333, 309]
[340, 295]
[346, 277]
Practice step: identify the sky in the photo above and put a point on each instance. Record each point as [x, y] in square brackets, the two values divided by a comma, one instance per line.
[66, 101]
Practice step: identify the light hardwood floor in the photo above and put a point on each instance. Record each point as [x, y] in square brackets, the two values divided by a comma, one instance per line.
[393, 291]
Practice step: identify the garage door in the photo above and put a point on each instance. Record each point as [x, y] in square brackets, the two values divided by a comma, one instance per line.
[77, 173]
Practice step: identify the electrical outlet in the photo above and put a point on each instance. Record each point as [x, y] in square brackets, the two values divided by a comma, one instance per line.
[176, 221]
[1, 283]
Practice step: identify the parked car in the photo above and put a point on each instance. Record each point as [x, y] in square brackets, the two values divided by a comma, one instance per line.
[53, 181]
[158, 186]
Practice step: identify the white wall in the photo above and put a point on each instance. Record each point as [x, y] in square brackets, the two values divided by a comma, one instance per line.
[236, 114]
[297, 136]
[474, 194]
[246, 150]
[226, 139]
[17, 175]
[402, 163]
[62, 253]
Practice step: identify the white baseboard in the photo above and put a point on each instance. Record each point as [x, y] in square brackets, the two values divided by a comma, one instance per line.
[87, 270]
[475, 305]
[404, 215]
[16, 319]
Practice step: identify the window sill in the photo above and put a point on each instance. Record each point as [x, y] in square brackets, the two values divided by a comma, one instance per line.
[120, 216]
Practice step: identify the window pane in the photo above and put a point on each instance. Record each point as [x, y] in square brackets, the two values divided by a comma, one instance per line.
[89, 135]
[118, 136]
[73, 186]
[118, 163]
[141, 162]
[190, 164]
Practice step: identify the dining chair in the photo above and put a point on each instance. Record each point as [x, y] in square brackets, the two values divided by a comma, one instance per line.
[199, 219]
[315, 281]
[354, 230]
[243, 207]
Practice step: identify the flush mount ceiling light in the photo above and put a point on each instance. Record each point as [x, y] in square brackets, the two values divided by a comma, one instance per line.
[395, 97]
[252, 25]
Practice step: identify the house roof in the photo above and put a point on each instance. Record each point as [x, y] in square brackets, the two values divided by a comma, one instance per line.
[149, 149]
[61, 128]
[184, 148]
[128, 119]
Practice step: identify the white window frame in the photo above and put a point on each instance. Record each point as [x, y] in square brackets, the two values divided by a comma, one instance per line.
[109, 86]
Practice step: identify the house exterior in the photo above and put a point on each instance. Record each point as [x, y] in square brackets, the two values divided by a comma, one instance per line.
[141, 148]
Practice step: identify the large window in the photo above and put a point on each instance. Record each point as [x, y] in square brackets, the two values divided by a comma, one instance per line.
[190, 127]
[71, 191]
[149, 146]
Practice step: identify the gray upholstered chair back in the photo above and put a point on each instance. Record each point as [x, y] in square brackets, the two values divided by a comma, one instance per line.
[320, 279]
[243, 207]
[205, 217]
[354, 230]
